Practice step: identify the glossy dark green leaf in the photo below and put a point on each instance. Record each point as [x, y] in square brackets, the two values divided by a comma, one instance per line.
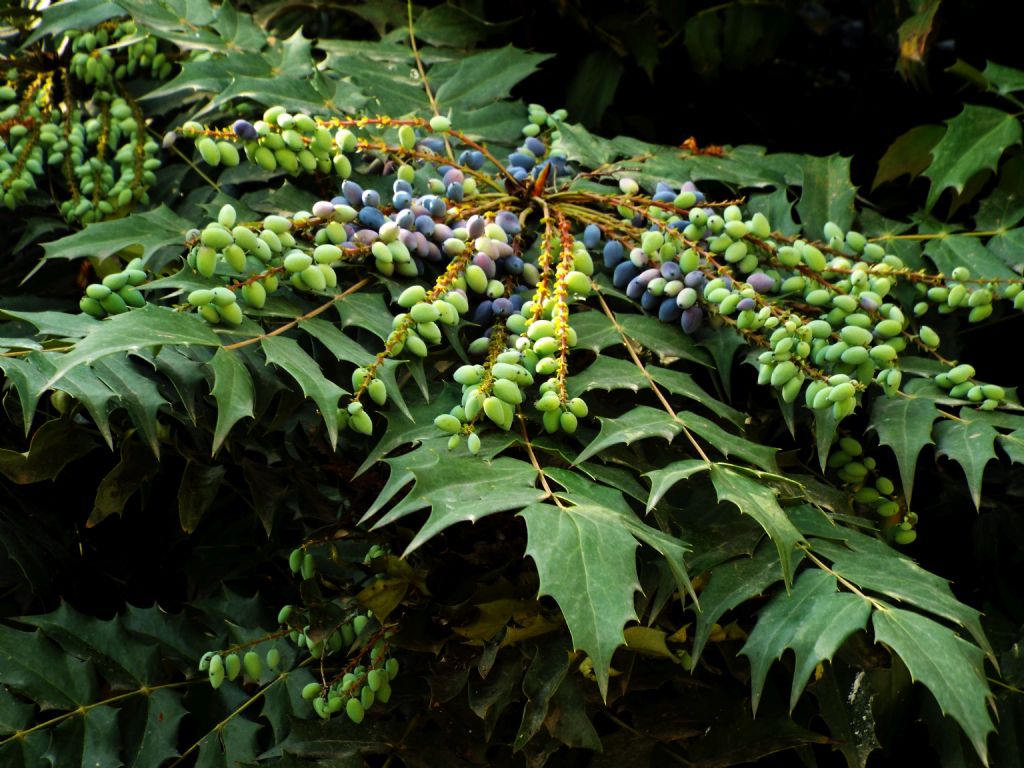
[813, 620]
[133, 331]
[732, 583]
[288, 355]
[586, 562]
[756, 499]
[136, 468]
[233, 392]
[974, 140]
[948, 666]
[54, 445]
[905, 425]
[909, 154]
[460, 489]
[197, 492]
[640, 423]
[826, 195]
[971, 444]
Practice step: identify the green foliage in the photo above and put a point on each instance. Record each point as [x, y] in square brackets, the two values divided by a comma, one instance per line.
[504, 320]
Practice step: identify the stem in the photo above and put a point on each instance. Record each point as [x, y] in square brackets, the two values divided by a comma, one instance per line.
[312, 313]
[84, 708]
[650, 381]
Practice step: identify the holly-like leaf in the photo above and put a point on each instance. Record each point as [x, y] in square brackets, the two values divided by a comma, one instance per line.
[663, 479]
[732, 583]
[909, 154]
[154, 229]
[758, 500]
[233, 391]
[586, 562]
[727, 443]
[953, 251]
[609, 374]
[1003, 79]
[974, 141]
[662, 339]
[543, 678]
[28, 381]
[971, 444]
[460, 489]
[813, 619]
[197, 492]
[951, 668]
[481, 78]
[54, 445]
[287, 354]
[134, 471]
[639, 423]
[36, 667]
[133, 331]
[1004, 206]
[827, 194]
[905, 425]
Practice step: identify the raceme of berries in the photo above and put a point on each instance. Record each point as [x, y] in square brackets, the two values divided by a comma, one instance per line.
[353, 655]
[502, 255]
[72, 128]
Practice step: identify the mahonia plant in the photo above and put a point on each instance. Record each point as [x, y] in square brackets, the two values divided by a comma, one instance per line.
[491, 282]
[510, 248]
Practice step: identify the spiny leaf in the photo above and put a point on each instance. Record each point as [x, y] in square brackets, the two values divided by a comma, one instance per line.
[138, 392]
[481, 78]
[642, 422]
[663, 479]
[134, 471]
[727, 443]
[758, 500]
[975, 140]
[1003, 79]
[732, 583]
[132, 331]
[814, 619]
[826, 194]
[971, 445]
[28, 381]
[905, 425]
[412, 427]
[197, 492]
[124, 660]
[953, 251]
[950, 667]
[662, 339]
[233, 391]
[614, 507]
[586, 562]
[152, 230]
[543, 677]
[1004, 206]
[287, 354]
[54, 445]
[36, 667]
[909, 154]
[460, 489]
